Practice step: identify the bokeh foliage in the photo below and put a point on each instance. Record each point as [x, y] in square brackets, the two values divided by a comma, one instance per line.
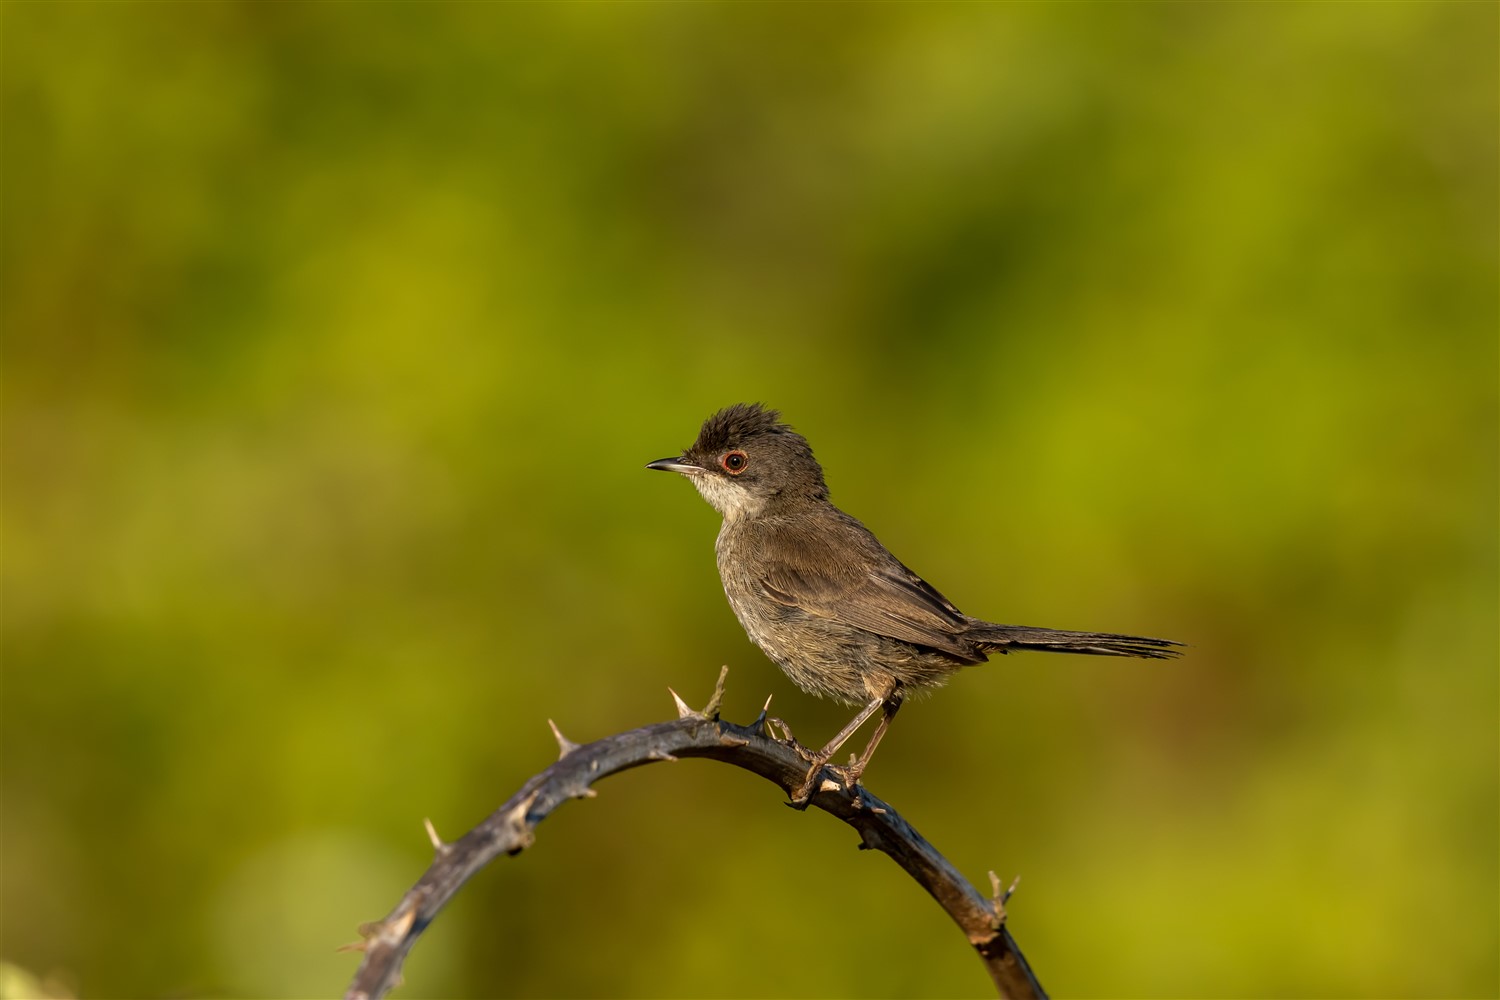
[336, 336]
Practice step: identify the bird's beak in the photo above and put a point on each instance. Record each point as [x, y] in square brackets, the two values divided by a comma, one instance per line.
[675, 465]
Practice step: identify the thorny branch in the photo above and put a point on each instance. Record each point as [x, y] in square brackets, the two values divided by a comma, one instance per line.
[509, 830]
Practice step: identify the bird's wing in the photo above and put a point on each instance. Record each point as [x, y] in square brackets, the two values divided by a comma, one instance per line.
[838, 571]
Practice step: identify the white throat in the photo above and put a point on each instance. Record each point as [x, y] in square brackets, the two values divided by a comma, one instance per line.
[728, 499]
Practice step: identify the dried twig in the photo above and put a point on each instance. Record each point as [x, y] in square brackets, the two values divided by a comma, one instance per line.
[509, 830]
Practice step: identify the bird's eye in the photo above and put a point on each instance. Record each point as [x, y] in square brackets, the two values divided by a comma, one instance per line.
[734, 462]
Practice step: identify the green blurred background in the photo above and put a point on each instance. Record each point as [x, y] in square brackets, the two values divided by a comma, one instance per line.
[336, 337]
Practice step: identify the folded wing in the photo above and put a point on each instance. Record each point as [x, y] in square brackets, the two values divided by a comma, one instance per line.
[855, 582]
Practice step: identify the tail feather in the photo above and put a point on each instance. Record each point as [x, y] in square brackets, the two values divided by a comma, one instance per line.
[1004, 638]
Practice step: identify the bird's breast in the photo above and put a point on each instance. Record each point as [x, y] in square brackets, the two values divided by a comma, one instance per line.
[820, 655]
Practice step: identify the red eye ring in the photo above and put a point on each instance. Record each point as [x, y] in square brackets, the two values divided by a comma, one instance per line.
[734, 462]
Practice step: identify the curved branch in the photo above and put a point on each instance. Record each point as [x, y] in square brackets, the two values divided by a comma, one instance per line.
[509, 830]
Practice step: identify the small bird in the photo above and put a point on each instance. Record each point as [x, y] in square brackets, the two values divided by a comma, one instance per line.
[819, 594]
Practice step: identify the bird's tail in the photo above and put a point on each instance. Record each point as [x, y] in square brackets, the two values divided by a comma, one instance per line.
[1004, 638]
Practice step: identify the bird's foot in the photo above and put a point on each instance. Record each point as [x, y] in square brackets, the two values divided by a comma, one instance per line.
[849, 773]
[803, 793]
[787, 739]
[846, 774]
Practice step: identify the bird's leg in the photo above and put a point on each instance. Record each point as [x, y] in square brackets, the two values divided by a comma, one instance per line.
[890, 701]
[891, 704]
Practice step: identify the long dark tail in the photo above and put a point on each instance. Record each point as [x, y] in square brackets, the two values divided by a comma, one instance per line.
[1004, 638]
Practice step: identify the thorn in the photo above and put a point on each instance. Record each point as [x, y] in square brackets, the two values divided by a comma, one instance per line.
[683, 712]
[437, 842]
[999, 899]
[587, 792]
[391, 929]
[758, 727]
[519, 826]
[353, 946]
[711, 710]
[565, 746]
[659, 755]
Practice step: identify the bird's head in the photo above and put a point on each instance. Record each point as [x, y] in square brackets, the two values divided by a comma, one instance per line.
[745, 458]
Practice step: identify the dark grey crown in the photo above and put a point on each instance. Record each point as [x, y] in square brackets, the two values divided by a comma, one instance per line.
[733, 425]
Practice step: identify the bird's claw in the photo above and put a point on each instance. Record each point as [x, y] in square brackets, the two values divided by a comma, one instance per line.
[800, 797]
[849, 774]
[803, 793]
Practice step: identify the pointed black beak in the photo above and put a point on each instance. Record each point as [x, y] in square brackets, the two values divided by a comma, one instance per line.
[675, 465]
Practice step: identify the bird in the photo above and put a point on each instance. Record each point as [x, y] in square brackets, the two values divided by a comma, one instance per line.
[825, 600]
